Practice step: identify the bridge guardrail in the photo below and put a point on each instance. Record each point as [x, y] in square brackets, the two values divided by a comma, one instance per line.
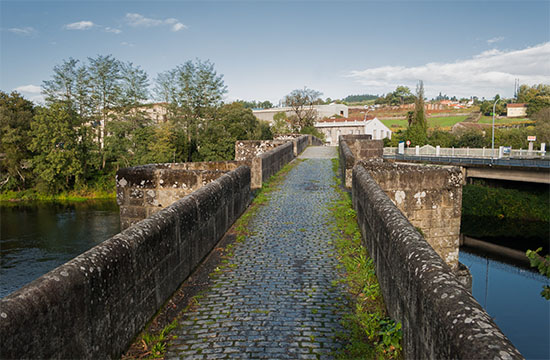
[534, 163]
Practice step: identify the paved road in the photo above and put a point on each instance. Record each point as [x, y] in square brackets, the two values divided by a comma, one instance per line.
[277, 301]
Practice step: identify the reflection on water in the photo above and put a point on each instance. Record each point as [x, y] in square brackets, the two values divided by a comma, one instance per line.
[511, 296]
[36, 237]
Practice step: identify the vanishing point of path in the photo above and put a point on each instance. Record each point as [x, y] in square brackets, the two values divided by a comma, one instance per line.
[278, 299]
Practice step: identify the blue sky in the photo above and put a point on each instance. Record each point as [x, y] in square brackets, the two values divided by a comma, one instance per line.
[265, 49]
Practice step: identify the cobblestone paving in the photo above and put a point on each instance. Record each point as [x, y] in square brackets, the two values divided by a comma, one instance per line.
[277, 300]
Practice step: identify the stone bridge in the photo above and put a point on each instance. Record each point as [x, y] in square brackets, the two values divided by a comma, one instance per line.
[278, 301]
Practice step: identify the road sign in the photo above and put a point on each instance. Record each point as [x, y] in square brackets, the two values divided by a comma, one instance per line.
[408, 142]
[531, 138]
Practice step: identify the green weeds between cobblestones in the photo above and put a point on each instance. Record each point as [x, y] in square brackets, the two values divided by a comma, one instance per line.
[372, 333]
[157, 343]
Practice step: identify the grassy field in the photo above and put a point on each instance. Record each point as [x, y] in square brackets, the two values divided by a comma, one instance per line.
[442, 122]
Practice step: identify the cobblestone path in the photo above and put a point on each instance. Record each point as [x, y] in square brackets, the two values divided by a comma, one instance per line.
[277, 300]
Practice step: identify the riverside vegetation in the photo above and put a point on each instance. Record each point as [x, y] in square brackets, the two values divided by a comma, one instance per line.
[97, 118]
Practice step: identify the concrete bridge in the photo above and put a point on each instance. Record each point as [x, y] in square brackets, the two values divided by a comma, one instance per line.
[519, 165]
[175, 214]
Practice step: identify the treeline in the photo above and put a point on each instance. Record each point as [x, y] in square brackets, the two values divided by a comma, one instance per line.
[97, 118]
[359, 98]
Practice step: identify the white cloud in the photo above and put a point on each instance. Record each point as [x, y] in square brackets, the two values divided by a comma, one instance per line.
[124, 43]
[486, 74]
[112, 30]
[27, 30]
[138, 20]
[80, 25]
[33, 89]
[495, 39]
[178, 26]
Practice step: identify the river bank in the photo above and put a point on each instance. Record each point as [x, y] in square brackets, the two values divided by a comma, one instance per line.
[75, 195]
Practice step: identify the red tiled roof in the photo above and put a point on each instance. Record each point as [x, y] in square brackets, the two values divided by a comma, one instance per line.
[515, 105]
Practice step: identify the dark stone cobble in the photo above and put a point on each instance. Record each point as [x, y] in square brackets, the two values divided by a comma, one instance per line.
[277, 298]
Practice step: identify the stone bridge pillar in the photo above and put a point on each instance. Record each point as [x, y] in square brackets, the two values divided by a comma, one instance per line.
[431, 199]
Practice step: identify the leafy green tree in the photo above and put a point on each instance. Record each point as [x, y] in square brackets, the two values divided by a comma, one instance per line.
[63, 85]
[537, 104]
[542, 125]
[162, 149]
[256, 104]
[537, 97]
[402, 95]
[16, 114]
[106, 93]
[301, 102]
[233, 122]
[194, 90]
[486, 106]
[472, 139]
[58, 161]
[281, 124]
[441, 138]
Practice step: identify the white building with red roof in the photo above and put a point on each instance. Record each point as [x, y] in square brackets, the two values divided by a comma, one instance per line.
[333, 128]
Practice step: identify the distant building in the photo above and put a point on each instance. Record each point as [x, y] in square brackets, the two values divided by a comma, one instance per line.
[516, 110]
[333, 128]
[323, 111]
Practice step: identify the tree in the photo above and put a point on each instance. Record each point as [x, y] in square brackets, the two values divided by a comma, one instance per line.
[281, 124]
[418, 126]
[542, 125]
[232, 122]
[16, 114]
[401, 95]
[441, 138]
[63, 85]
[194, 90]
[58, 163]
[106, 92]
[472, 139]
[537, 97]
[301, 102]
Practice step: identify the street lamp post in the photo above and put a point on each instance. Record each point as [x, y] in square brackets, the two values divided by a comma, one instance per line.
[493, 133]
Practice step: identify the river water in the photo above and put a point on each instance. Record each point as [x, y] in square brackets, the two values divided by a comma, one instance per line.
[36, 237]
[511, 296]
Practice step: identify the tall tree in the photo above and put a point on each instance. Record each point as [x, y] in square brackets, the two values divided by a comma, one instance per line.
[106, 91]
[15, 118]
[57, 163]
[417, 131]
[301, 102]
[194, 90]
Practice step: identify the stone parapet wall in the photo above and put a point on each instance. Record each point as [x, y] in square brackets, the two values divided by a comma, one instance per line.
[145, 190]
[353, 148]
[94, 305]
[249, 149]
[347, 162]
[272, 161]
[440, 318]
[429, 196]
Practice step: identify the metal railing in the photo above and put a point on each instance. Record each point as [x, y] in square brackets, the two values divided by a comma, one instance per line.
[533, 163]
[428, 150]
